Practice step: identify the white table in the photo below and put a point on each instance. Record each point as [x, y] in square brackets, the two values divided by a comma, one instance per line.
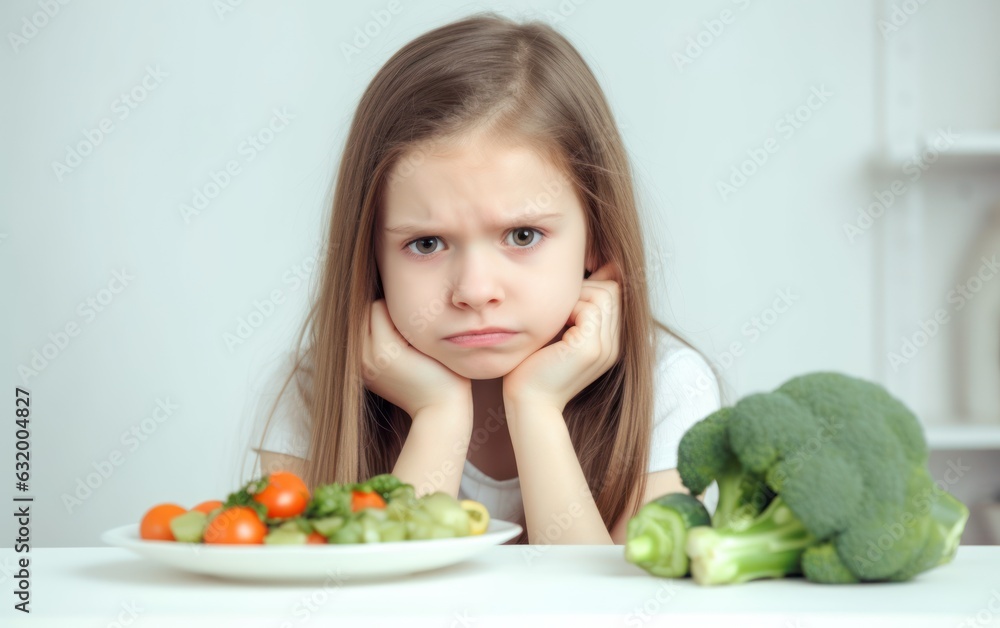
[508, 585]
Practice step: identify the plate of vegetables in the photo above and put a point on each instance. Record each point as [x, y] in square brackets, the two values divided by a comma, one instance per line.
[274, 528]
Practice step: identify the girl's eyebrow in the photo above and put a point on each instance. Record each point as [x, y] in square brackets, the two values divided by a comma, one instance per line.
[517, 221]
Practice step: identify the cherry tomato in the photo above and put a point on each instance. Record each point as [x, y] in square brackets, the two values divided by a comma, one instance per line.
[155, 525]
[315, 538]
[208, 506]
[285, 495]
[236, 525]
[364, 499]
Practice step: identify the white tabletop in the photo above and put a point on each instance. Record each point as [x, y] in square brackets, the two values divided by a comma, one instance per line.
[507, 585]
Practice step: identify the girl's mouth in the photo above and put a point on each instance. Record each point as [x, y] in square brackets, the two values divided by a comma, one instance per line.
[482, 340]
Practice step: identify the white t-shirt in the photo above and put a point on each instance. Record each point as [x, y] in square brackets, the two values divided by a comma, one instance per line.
[685, 390]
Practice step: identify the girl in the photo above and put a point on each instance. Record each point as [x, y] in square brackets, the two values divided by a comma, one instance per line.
[484, 186]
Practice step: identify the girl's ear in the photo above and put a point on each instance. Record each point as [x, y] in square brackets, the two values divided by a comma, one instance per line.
[590, 265]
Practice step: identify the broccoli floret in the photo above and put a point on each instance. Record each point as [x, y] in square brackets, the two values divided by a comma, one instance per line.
[704, 455]
[824, 477]
[383, 484]
[823, 563]
[330, 500]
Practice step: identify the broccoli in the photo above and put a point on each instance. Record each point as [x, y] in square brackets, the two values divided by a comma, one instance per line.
[825, 477]
[330, 500]
[334, 499]
[705, 456]
[383, 484]
[656, 535]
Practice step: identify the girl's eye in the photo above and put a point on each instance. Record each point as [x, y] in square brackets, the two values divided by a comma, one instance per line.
[422, 241]
[520, 235]
[521, 232]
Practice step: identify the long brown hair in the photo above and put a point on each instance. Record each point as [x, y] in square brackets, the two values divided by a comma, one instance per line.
[523, 81]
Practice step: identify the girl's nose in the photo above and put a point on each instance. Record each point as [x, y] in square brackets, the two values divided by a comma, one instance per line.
[477, 283]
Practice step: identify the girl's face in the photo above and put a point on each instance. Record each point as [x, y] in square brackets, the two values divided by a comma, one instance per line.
[478, 235]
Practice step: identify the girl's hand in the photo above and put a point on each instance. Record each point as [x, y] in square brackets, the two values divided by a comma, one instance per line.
[589, 347]
[405, 376]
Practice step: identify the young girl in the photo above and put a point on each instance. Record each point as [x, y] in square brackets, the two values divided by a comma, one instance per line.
[484, 186]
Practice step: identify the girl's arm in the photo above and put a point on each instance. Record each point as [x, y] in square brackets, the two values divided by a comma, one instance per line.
[433, 456]
[271, 461]
[553, 487]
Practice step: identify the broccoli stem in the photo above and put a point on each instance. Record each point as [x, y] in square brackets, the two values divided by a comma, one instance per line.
[770, 546]
[949, 516]
[742, 497]
[656, 535]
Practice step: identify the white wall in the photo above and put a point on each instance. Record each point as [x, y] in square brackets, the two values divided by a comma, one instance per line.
[722, 262]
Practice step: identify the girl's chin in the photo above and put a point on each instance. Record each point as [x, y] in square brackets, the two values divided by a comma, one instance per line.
[474, 368]
[482, 363]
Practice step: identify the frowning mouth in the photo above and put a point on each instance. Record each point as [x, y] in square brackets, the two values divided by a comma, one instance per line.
[482, 339]
[484, 330]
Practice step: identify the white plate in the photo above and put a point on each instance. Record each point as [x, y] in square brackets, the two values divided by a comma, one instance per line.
[311, 562]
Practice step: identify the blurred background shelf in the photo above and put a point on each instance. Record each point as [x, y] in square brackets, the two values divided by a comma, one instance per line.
[945, 147]
[963, 436]
[967, 144]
